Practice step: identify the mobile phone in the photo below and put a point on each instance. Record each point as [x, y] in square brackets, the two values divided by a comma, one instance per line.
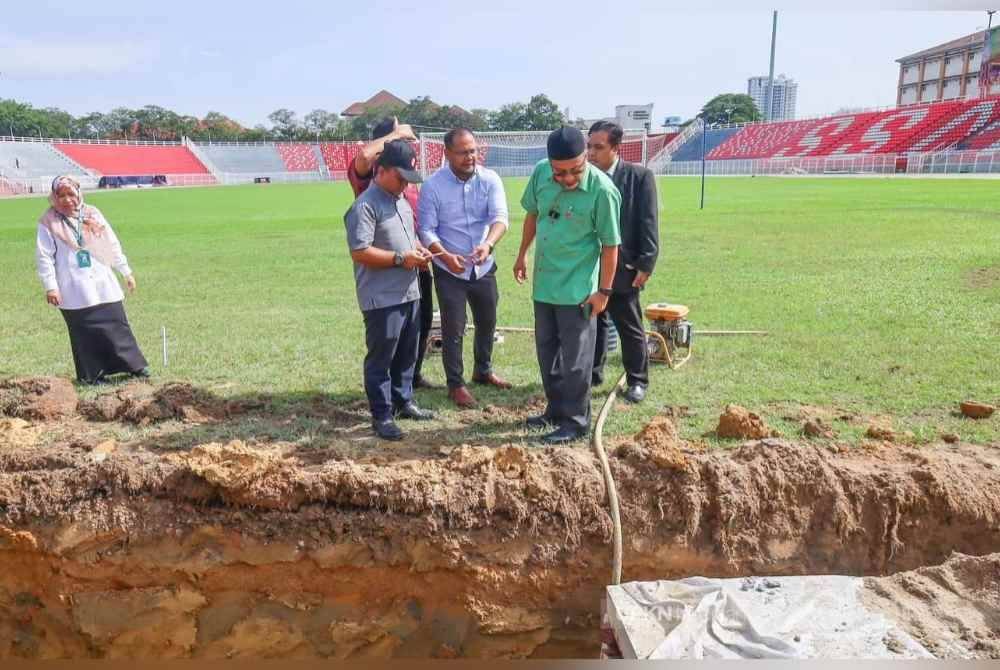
[587, 309]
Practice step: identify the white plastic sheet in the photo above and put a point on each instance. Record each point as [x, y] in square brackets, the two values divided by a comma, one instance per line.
[773, 617]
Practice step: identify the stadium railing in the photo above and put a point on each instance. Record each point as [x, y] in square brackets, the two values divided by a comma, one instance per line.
[858, 164]
[70, 140]
[954, 162]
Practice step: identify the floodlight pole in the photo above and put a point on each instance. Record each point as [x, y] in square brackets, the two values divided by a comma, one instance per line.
[770, 76]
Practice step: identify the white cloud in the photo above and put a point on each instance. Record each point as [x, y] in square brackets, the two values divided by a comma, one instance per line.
[59, 59]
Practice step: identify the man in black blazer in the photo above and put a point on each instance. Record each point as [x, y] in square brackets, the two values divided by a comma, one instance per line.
[640, 246]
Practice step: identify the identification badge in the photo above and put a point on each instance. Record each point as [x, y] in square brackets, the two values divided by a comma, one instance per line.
[83, 258]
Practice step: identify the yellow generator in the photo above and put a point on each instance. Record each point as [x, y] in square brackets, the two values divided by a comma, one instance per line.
[670, 339]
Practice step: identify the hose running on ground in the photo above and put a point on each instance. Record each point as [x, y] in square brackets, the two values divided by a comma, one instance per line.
[609, 482]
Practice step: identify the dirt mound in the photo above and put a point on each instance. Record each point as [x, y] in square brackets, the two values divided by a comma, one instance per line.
[17, 434]
[741, 424]
[239, 475]
[880, 431]
[976, 410]
[37, 398]
[143, 404]
[816, 427]
[952, 609]
[657, 442]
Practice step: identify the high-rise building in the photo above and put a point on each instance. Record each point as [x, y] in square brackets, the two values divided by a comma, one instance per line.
[784, 94]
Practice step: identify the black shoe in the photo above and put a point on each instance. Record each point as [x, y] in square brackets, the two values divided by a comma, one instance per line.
[411, 411]
[539, 422]
[564, 435]
[387, 430]
[635, 393]
[596, 380]
[419, 382]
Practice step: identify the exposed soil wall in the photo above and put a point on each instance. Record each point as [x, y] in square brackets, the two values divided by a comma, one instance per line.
[230, 550]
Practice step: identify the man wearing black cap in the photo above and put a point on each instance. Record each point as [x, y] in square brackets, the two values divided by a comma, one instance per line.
[359, 174]
[572, 211]
[386, 258]
[636, 258]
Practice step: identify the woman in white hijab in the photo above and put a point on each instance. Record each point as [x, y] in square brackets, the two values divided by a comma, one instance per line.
[76, 251]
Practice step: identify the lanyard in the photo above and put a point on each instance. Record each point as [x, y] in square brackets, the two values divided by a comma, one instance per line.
[77, 233]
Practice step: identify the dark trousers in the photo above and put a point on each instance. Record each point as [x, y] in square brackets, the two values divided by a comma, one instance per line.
[392, 334]
[625, 312]
[564, 343]
[426, 317]
[482, 296]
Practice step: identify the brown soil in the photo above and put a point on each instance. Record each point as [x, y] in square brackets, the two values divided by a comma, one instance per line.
[880, 431]
[248, 548]
[17, 433]
[952, 609]
[657, 443]
[142, 404]
[739, 423]
[41, 398]
[817, 427]
[976, 410]
[981, 278]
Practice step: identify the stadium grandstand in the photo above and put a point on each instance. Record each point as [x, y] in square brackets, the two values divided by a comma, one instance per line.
[949, 136]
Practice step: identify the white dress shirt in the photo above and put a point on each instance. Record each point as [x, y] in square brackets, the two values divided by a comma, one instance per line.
[80, 287]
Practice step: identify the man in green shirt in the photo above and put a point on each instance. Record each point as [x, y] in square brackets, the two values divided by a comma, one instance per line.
[572, 211]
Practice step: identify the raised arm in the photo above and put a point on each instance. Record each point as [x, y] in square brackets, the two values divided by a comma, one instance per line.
[366, 157]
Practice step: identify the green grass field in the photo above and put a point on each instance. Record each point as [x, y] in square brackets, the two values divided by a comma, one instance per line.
[882, 296]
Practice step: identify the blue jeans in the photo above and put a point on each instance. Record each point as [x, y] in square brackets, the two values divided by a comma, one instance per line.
[392, 334]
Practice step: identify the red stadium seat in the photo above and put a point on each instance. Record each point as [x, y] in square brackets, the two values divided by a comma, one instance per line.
[987, 138]
[338, 156]
[931, 127]
[298, 157]
[122, 159]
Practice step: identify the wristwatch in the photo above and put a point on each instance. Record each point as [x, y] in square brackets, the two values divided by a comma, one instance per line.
[605, 292]
[491, 248]
[397, 259]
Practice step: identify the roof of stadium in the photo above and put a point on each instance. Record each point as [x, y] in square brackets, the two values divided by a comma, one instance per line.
[954, 45]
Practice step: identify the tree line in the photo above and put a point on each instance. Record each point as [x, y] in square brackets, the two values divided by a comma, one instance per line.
[157, 123]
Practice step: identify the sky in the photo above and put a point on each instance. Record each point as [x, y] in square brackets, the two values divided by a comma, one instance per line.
[588, 56]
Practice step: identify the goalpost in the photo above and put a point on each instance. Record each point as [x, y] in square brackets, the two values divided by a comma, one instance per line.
[514, 154]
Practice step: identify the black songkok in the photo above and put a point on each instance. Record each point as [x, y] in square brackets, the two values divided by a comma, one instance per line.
[565, 143]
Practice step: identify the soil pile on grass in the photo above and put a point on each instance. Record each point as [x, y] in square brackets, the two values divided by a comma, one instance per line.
[976, 410]
[658, 443]
[37, 398]
[142, 404]
[741, 424]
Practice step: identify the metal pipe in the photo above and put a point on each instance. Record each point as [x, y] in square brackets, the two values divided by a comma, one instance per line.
[711, 333]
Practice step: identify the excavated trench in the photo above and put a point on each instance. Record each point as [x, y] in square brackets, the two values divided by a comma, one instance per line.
[231, 549]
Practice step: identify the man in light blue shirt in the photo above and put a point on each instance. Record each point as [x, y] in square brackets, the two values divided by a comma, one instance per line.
[463, 215]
